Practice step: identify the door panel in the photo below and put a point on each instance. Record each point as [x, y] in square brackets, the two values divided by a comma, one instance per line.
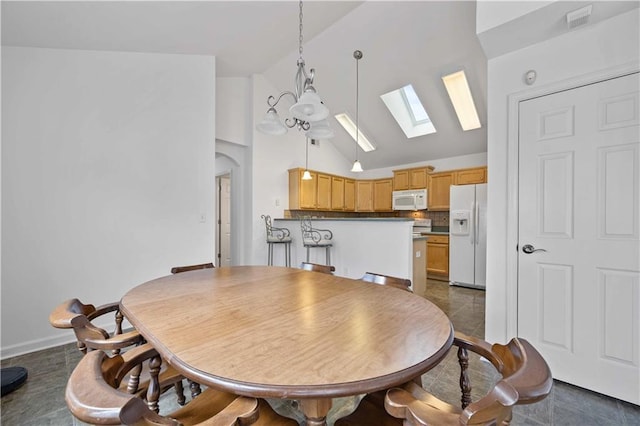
[579, 198]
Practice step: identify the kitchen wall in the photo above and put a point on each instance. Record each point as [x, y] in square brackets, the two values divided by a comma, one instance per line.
[107, 169]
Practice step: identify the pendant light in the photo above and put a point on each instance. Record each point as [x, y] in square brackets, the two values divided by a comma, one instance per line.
[357, 167]
[306, 175]
[308, 112]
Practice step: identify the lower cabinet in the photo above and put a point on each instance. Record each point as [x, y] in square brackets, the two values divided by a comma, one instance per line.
[438, 257]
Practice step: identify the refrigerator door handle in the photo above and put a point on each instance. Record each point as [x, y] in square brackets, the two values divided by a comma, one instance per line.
[476, 226]
[472, 225]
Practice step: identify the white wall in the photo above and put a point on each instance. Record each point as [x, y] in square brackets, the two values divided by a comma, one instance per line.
[492, 13]
[107, 168]
[440, 165]
[586, 50]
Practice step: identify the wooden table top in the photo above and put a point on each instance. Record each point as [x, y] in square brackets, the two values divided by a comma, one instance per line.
[268, 331]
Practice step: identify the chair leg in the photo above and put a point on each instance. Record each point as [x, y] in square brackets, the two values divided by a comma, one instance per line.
[270, 254]
[328, 256]
[307, 254]
[195, 388]
[153, 391]
[180, 393]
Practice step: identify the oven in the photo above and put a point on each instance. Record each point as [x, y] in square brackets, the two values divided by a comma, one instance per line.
[421, 226]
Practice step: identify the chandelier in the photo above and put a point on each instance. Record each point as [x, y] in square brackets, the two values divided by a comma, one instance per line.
[308, 112]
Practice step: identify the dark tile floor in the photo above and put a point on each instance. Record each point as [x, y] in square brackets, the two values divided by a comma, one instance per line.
[40, 401]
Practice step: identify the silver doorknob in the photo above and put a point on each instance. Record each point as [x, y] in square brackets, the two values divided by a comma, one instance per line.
[528, 248]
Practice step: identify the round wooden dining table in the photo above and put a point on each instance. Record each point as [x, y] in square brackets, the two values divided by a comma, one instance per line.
[276, 332]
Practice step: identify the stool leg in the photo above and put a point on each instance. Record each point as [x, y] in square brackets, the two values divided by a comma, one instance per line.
[328, 256]
[270, 255]
[287, 249]
[307, 253]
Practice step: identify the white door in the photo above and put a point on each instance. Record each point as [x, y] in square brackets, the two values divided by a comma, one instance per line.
[224, 221]
[579, 197]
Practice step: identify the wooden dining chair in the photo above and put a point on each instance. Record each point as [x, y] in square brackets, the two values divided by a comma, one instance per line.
[526, 379]
[179, 269]
[315, 267]
[93, 397]
[402, 283]
[73, 314]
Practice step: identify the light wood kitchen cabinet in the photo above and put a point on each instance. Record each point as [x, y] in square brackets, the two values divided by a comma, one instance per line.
[471, 176]
[438, 257]
[382, 189]
[415, 178]
[364, 196]
[323, 201]
[350, 195]
[337, 193]
[438, 193]
[400, 180]
[302, 193]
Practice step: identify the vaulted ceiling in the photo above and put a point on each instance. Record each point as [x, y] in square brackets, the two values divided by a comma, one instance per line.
[413, 42]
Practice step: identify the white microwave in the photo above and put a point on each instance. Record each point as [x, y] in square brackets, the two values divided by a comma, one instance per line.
[412, 199]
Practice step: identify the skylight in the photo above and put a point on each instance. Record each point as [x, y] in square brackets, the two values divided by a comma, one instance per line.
[413, 104]
[406, 108]
[345, 121]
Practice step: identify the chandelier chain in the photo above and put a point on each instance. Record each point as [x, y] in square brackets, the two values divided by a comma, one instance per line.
[300, 32]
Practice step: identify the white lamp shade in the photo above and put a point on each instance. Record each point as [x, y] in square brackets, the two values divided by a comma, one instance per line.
[357, 167]
[309, 107]
[271, 124]
[320, 130]
[306, 175]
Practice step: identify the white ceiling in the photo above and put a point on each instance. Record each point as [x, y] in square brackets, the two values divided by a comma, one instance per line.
[403, 42]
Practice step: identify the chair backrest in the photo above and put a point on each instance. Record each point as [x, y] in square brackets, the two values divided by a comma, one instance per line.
[381, 279]
[92, 396]
[526, 379]
[78, 316]
[311, 235]
[179, 269]
[275, 234]
[315, 267]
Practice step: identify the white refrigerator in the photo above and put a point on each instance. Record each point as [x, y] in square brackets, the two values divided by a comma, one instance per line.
[468, 235]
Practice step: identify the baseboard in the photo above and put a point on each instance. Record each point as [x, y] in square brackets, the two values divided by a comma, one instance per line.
[36, 345]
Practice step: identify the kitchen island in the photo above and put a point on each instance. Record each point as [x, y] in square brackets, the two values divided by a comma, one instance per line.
[381, 245]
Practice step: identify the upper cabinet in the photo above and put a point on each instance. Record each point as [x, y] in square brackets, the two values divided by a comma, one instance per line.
[438, 192]
[439, 183]
[364, 196]
[382, 189]
[303, 194]
[415, 178]
[470, 176]
[329, 192]
[322, 192]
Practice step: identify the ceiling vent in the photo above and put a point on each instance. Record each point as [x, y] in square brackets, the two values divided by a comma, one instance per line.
[578, 17]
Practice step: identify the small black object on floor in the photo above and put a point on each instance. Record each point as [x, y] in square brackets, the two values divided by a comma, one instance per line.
[12, 378]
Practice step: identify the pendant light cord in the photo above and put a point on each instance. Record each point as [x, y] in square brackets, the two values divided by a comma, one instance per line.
[300, 33]
[358, 55]
[357, 105]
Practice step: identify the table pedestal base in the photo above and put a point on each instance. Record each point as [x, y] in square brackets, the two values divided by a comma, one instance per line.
[315, 411]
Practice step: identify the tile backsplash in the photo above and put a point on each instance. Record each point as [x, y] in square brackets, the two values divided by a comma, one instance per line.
[440, 219]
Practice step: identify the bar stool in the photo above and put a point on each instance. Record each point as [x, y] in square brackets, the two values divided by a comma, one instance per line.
[277, 236]
[314, 237]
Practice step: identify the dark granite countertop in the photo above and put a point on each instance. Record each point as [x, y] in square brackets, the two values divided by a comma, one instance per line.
[354, 219]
